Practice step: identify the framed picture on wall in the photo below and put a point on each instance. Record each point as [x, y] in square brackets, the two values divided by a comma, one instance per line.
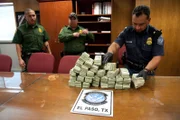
[20, 18]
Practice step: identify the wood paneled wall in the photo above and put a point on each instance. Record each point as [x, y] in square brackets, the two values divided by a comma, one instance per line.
[165, 16]
[121, 17]
[21, 5]
[143, 2]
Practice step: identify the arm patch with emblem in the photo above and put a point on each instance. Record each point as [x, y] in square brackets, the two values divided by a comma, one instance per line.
[160, 40]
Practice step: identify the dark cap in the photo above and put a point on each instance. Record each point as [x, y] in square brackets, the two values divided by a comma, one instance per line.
[73, 15]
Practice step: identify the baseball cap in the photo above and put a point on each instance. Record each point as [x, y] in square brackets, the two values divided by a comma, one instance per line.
[73, 15]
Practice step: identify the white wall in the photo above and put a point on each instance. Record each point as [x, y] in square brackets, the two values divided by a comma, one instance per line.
[10, 50]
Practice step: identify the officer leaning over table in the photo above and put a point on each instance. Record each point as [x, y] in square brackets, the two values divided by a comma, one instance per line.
[29, 38]
[144, 44]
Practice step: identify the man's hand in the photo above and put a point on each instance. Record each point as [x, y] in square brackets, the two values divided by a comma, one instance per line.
[85, 31]
[76, 34]
[22, 63]
[143, 73]
[107, 57]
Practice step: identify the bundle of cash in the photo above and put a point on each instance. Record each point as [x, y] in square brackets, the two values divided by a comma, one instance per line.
[127, 80]
[88, 79]
[79, 62]
[111, 74]
[104, 85]
[86, 85]
[72, 73]
[118, 86]
[84, 68]
[95, 84]
[119, 79]
[96, 78]
[84, 56]
[101, 72]
[76, 69]
[104, 79]
[89, 62]
[80, 78]
[126, 86]
[124, 72]
[110, 66]
[98, 60]
[83, 73]
[90, 74]
[112, 79]
[94, 68]
[111, 85]
[137, 81]
[78, 84]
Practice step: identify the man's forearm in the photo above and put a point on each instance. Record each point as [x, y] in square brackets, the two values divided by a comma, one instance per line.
[113, 48]
[19, 51]
[48, 47]
[153, 63]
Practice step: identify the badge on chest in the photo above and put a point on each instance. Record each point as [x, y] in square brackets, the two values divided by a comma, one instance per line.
[149, 41]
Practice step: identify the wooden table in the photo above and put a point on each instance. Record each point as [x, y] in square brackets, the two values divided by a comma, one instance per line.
[50, 98]
[13, 83]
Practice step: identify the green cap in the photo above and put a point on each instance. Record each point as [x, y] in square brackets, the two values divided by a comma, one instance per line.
[73, 15]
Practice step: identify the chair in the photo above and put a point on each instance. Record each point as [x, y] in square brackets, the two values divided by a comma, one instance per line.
[66, 63]
[5, 63]
[121, 52]
[41, 62]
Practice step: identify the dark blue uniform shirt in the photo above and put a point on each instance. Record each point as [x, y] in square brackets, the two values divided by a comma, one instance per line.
[141, 47]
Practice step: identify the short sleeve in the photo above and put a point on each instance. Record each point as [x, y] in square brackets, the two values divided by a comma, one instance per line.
[46, 36]
[158, 48]
[18, 37]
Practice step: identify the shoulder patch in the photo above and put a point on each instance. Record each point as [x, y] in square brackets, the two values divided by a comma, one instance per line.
[160, 40]
[123, 31]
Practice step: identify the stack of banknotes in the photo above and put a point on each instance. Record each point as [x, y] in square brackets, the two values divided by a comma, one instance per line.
[89, 72]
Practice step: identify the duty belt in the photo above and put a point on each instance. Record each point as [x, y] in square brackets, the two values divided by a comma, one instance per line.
[135, 65]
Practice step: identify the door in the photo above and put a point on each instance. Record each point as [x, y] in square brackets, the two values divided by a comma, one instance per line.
[54, 15]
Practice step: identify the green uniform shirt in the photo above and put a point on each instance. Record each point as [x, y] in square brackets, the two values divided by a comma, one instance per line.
[74, 45]
[31, 38]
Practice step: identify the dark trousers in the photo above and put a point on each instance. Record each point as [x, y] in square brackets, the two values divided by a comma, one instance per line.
[26, 57]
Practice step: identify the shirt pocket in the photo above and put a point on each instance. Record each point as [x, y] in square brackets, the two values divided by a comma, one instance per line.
[131, 50]
[147, 51]
[28, 38]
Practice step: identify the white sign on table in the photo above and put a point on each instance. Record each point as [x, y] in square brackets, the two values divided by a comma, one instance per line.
[94, 102]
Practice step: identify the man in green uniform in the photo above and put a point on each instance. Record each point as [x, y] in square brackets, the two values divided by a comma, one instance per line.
[74, 36]
[29, 38]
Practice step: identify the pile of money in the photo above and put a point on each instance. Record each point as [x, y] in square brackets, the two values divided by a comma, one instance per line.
[90, 72]
[137, 81]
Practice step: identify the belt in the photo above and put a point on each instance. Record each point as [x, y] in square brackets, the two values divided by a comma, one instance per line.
[135, 65]
[29, 53]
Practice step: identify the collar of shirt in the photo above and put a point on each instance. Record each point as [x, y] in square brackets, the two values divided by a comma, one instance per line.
[145, 31]
[69, 27]
[27, 25]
